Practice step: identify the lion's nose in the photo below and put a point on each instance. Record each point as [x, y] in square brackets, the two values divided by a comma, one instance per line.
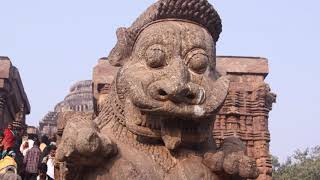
[182, 94]
[188, 93]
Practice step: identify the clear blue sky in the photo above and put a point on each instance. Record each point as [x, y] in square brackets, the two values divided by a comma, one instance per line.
[56, 43]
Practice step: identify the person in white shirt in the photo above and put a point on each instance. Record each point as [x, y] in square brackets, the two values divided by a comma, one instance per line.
[49, 160]
[27, 143]
[42, 172]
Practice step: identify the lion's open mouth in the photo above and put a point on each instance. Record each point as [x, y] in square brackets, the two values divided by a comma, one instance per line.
[172, 130]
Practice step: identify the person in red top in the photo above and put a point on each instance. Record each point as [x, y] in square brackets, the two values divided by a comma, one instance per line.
[8, 140]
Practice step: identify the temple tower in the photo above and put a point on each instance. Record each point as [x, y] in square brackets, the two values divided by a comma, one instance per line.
[79, 99]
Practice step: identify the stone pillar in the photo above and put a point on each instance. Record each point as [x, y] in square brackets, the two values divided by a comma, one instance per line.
[3, 101]
[245, 111]
[14, 104]
[103, 76]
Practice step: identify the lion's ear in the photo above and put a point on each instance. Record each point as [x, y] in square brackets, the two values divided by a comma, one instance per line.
[122, 49]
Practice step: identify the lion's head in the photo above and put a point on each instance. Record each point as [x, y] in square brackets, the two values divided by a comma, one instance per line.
[168, 82]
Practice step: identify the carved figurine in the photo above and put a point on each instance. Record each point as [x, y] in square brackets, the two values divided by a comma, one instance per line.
[157, 121]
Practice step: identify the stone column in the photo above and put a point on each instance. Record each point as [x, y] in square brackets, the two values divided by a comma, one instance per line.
[246, 109]
[3, 99]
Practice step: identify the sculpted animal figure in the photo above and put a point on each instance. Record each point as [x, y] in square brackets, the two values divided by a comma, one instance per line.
[157, 121]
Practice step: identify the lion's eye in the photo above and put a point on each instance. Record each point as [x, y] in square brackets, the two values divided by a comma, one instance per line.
[156, 56]
[197, 61]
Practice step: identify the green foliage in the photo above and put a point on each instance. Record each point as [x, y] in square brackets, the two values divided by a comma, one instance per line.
[302, 165]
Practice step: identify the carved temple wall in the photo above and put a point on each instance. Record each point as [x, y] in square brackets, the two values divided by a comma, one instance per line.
[14, 104]
[245, 111]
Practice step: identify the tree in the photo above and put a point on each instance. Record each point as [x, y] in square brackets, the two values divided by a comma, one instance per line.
[302, 165]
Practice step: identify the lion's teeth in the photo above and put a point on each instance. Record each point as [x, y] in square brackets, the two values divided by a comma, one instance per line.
[171, 138]
[144, 122]
[150, 124]
[138, 121]
[158, 124]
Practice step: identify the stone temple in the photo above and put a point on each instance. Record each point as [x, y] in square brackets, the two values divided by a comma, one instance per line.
[14, 104]
[79, 99]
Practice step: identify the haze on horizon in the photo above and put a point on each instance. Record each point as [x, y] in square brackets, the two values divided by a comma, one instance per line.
[56, 43]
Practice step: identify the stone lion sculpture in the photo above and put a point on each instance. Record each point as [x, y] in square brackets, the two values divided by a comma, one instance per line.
[157, 121]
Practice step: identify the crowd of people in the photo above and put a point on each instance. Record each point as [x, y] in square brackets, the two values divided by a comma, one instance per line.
[26, 156]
